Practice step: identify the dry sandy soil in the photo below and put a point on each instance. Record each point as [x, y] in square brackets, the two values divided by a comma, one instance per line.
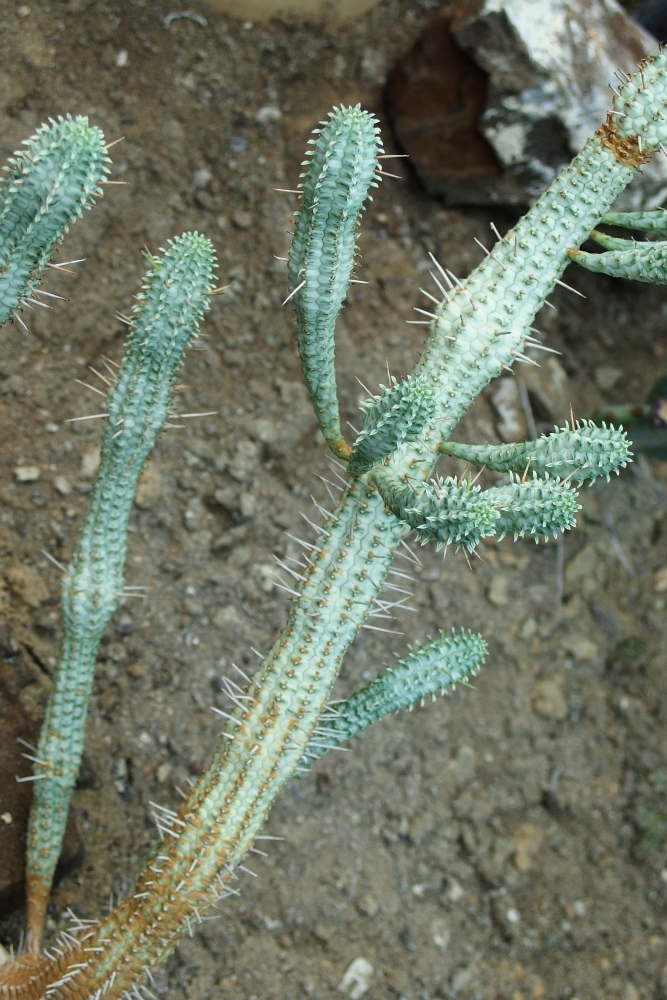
[506, 842]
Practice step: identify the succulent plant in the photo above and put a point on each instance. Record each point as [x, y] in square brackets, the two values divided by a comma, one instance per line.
[281, 717]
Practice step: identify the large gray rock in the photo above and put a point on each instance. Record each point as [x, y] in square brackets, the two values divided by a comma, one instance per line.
[548, 65]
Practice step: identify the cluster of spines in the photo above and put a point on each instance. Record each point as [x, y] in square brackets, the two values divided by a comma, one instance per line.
[537, 507]
[342, 169]
[172, 302]
[435, 667]
[581, 451]
[625, 259]
[397, 416]
[447, 511]
[443, 510]
[46, 188]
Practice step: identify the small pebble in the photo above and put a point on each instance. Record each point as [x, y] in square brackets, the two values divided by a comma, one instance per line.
[90, 463]
[606, 377]
[581, 648]
[440, 933]
[7, 818]
[162, 772]
[527, 842]
[242, 220]
[357, 979]
[268, 114]
[62, 485]
[149, 487]
[27, 473]
[368, 905]
[226, 618]
[549, 701]
[27, 584]
[498, 592]
[455, 891]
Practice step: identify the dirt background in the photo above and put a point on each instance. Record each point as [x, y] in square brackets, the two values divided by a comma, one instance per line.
[506, 842]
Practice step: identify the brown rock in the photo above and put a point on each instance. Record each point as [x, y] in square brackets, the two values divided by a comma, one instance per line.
[15, 797]
[436, 95]
[498, 592]
[493, 100]
[549, 700]
[148, 487]
[526, 845]
[27, 584]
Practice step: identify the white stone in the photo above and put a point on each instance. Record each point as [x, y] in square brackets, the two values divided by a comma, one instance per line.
[357, 979]
[550, 65]
[27, 473]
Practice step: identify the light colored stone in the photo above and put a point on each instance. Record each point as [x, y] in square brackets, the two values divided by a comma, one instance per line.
[27, 584]
[90, 462]
[162, 772]
[27, 473]
[549, 386]
[248, 505]
[498, 592]
[266, 577]
[581, 647]
[549, 701]
[244, 463]
[548, 90]
[357, 979]
[242, 220]
[268, 114]
[194, 515]
[368, 905]
[149, 487]
[527, 842]
[440, 933]
[660, 580]
[455, 890]
[528, 629]
[265, 430]
[62, 485]
[606, 377]
[227, 618]
[511, 423]
[464, 765]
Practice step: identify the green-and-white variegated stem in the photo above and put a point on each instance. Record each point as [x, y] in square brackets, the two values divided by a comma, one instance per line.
[395, 417]
[172, 303]
[46, 188]
[654, 221]
[584, 451]
[438, 665]
[341, 172]
[264, 740]
[446, 511]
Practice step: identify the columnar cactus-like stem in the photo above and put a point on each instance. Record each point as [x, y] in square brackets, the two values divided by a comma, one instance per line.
[47, 186]
[172, 303]
[339, 176]
[441, 664]
[396, 417]
[583, 451]
[479, 329]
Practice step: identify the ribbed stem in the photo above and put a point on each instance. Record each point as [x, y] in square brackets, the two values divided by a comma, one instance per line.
[174, 298]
